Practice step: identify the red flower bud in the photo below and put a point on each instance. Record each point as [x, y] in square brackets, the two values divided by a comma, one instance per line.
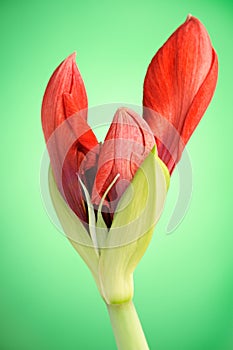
[127, 143]
[68, 136]
[178, 87]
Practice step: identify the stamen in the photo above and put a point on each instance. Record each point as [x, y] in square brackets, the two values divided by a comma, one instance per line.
[91, 216]
[105, 194]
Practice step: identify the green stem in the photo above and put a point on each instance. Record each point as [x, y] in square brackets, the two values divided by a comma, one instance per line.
[127, 327]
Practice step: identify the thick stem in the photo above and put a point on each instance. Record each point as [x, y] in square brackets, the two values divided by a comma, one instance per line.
[127, 327]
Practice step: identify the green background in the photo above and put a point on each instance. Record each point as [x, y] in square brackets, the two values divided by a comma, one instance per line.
[183, 285]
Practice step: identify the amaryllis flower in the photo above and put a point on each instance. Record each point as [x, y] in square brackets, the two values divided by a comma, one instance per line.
[178, 87]
[108, 197]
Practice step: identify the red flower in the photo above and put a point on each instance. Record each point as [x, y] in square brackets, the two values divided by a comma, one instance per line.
[127, 143]
[178, 87]
[69, 138]
[75, 152]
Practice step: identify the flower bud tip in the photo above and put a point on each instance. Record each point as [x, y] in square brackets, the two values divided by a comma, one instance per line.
[72, 57]
[189, 17]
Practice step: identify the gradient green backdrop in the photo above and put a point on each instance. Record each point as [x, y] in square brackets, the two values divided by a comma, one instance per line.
[184, 286]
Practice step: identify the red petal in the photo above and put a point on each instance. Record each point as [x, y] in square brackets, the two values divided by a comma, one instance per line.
[65, 95]
[68, 136]
[174, 78]
[127, 143]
